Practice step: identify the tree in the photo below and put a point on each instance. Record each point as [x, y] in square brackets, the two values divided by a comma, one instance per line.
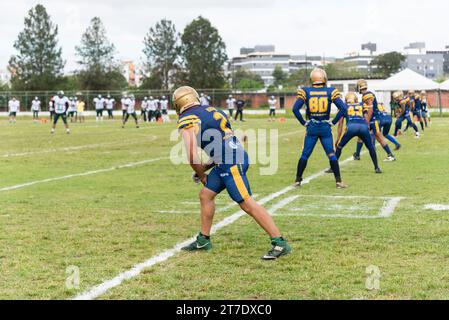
[343, 70]
[279, 76]
[203, 54]
[100, 71]
[162, 51]
[243, 79]
[388, 64]
[4, 86]
[297, 78]
[38, 63]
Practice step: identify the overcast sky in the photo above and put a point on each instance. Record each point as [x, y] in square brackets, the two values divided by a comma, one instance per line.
[294, 26]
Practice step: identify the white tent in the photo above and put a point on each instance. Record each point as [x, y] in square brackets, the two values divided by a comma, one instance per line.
[445, 85]
[407, 80]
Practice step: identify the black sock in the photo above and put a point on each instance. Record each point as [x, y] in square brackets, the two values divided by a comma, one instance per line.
[336, 169]
[302, 164]
[205, 237]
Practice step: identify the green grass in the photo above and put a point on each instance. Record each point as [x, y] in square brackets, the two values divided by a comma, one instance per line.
[106, 223]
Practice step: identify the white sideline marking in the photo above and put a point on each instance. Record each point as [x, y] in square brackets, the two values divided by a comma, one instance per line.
[83, 174]
[104, 287]
[437, 207]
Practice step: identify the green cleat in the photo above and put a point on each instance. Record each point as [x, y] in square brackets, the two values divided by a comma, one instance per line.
[280, 248]
[201, 243]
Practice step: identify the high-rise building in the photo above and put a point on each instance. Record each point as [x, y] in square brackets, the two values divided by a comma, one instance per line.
[263, 59]
[430, 64]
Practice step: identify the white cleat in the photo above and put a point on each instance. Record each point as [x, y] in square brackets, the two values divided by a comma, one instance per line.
[390, 159]
[417, 135]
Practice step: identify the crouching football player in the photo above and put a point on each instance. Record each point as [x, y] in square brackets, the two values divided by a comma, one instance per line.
[356, 126]
[228, 164]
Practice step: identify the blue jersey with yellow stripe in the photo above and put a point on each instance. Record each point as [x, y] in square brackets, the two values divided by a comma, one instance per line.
[418, 104]
[318, 101]
[214, 134]
[355, 113]
[366, 97]
[404, 105]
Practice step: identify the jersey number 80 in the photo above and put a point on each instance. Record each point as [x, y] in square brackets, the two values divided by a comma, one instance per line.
[318, 104]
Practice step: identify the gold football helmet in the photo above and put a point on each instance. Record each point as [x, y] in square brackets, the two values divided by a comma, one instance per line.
[362, 85]
[351, 98]
[411, 93]
[318, 76]
[185, 98]
[398, 95]
[423, 93]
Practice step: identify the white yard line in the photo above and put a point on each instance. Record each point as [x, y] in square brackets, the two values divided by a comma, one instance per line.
[83, 174]
[346, 216]
[104, 287]
[389, 207]
[76, 148]
[437, 207]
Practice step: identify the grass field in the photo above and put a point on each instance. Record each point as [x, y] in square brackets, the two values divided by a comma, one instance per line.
[104, 199]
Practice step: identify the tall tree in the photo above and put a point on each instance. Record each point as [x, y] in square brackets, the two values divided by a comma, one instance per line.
[387, 64]
[100, 70]
[162, 51]
[38, 63]
[279, 76]
[245, 79]
[203, 54]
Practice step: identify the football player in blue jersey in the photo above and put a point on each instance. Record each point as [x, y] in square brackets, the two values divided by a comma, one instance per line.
[403, 113]
[385, 123]
[211, 130]
[356, 126]
[373, 117]
[318, 100]
[417, 111]
[411, 105]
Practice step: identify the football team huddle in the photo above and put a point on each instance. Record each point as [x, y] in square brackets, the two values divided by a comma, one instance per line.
[360, 115]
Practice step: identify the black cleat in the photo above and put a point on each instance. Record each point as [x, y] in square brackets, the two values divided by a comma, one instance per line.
[378, 171]
[398, 147]
[329, 170]
[356, 157]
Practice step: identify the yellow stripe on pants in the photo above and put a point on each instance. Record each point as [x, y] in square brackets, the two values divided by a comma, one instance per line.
[241, 187]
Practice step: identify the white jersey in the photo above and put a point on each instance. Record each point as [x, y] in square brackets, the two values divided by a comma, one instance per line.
[144, 105]
[130, 105]
[204, 101]
[123, 102]
[164, 104]
[99, 103]
[61, 104]
[51, 107]
[272, 103]
[14, 105]
[36, 105]
[110, 103]
[152, 105]
[72, 106]
[231, 103]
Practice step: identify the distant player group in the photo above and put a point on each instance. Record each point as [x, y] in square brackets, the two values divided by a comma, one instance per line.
[73, 109]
